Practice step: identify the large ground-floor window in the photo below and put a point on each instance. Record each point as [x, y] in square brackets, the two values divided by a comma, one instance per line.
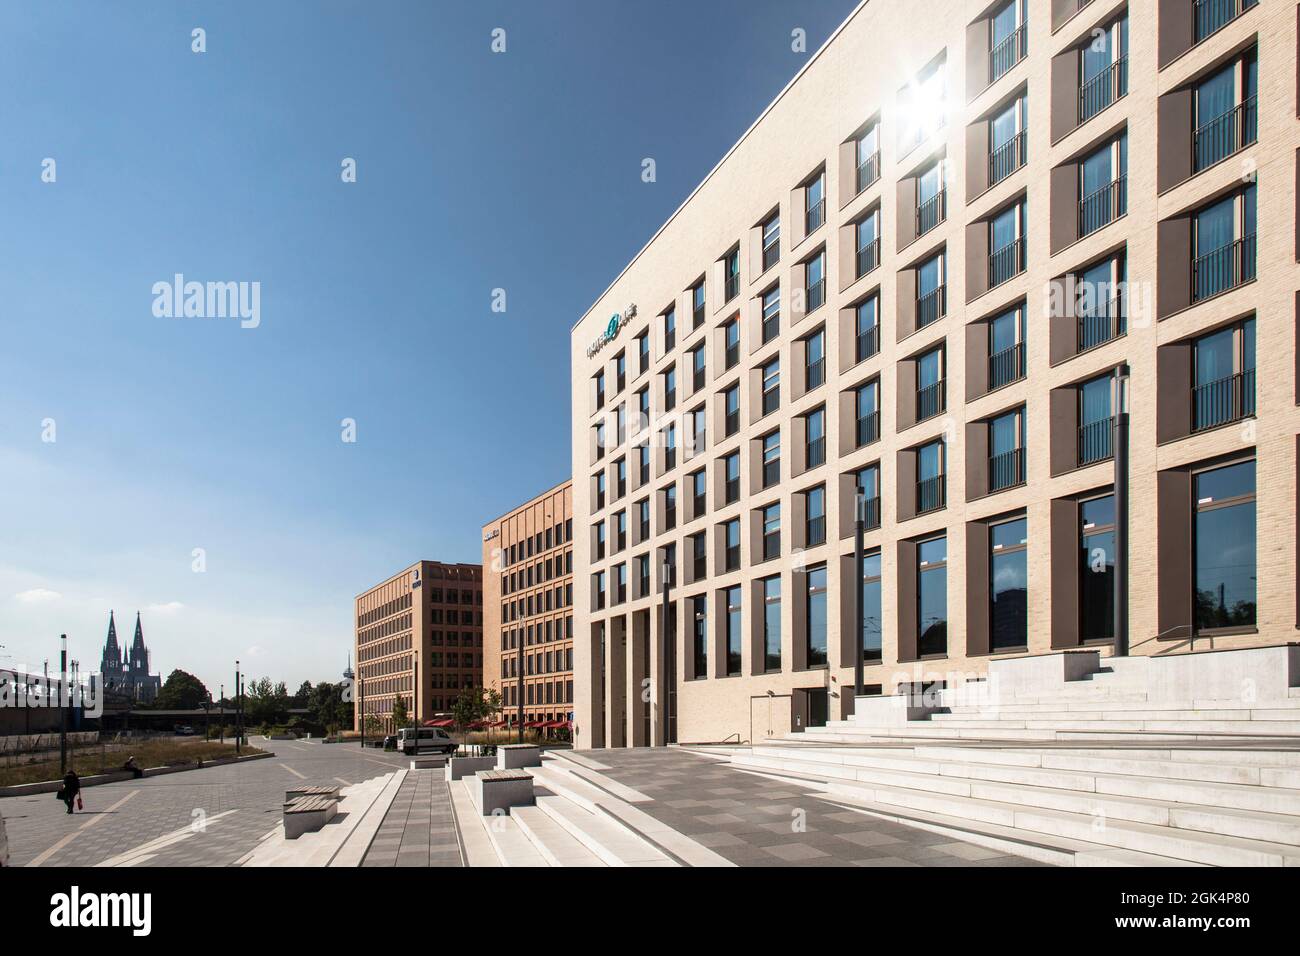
[932, 596]
[1225, 546]
[1009, 583]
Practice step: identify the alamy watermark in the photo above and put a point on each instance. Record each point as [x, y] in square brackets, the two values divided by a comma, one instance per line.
[180, 299]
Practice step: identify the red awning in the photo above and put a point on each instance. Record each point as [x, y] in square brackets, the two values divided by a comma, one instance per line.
[535, 723]
[499, 723]
[558, 723]
[445, 722]
[478, 725]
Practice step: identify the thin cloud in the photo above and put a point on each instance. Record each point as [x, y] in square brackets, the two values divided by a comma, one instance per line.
[37, 596]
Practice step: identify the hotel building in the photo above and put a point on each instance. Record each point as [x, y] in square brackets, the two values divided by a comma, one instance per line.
[958, 267]
[528, 609]
[422, 628]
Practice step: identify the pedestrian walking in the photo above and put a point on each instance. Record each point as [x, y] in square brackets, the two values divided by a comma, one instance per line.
[71, 790]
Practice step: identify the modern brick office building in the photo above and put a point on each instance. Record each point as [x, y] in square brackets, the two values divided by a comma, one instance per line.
[528, 609]
[426, 620]
[958, 266]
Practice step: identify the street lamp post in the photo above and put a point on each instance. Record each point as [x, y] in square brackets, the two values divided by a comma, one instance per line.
[63, 704]
[860, 508]
[361, 703]
[1121, 509]
[519, 689]
[239, 730]
[222, 705]
[668, 662]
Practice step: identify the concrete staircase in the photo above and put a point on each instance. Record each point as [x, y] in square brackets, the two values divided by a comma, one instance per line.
[1070, 760]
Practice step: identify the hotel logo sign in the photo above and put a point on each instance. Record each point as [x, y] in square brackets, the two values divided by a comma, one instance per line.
[616, 323]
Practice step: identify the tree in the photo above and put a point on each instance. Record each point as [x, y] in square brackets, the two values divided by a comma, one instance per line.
[400, 716]
[471, 706]
[303, 697]
[265, 704]
[182, 691]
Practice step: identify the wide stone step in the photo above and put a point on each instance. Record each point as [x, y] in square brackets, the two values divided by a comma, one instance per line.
[512, 845]
[1270, 718]
[1076, 723]
[613, 843]
[555, 844]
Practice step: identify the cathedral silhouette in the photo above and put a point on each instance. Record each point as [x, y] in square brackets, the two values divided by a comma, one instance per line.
[128, 675]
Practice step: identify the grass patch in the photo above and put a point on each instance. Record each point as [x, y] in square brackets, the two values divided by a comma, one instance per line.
[108, 757]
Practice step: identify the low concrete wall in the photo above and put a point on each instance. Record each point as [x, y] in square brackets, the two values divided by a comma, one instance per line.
[496, 791]
[888, 711]
[49, 786]
[1252, 676]
[1039, 674]
[458, 767]
[514, 756]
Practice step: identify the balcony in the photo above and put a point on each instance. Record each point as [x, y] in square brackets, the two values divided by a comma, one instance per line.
[867, 428]
[931, 212]
[816, 452]
[868, 257]
[868, 171]
[732, 423]
[698, 378]
[1226, 400]
[771, 254]
[816, 531]
[699, 505]
[1007, 469]
[1096, 441]
[1224, 268]
[732, 355]
[1225, 134]
[814, 375]
[931, 494]
[1210, 16]
[731, 558]
[1099, 325]
[867, 344]
[771, 400]
[1103, 206]
[1008, 53]
[1007, 366]
[731, 288]
[771, 326]
[1006, 263]
[815, 294]
[931, 307]
[1007, 158]
[697, 316]
[771, 545]
[732, 490]
[1103, 89]
[771, 473]
[871, 513]
[930, 401]
[815, 216]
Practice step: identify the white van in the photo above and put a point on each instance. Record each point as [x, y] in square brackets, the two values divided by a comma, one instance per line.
[430, 738]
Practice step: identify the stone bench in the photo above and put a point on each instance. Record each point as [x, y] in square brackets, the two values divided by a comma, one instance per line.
[294, 793]
[428, 761]
[307, 815]
[458, 767]
[493, 790]
[514, 756]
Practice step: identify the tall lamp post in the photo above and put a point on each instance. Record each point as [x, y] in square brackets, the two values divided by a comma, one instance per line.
[63, 704]
[222, 704]
[361, 703]
[1121, 509]
[860, 508]
[239, 730]
[668, 662]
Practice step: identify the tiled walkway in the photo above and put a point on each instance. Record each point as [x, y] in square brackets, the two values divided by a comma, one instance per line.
[419, 828]
[759, 821]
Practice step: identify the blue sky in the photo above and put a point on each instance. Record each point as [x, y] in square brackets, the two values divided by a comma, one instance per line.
[475, 171]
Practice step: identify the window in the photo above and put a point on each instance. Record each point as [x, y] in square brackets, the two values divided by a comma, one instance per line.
[1100, 303]
[620, 478]
[1007, 38]
[1007, 141]
[867, 233]
[600, 592]
[1210, 16]
[699, 489]
[700, 635]
[642, 408]
[930, 389]
[815, 509]
[1009, 585]
[1225, 571]
[731, 554]
[931, 485]
[731, 471]
[815, 203]
[931, 205]
[1103, 185]
[866, 328]
[771, 241]
[932, 597]
[731, 275]
[816, 616]
[772, 623]
[670, 507]
[1007, 347]
[867, 482]
[771, 313]
[643, 519]
[867, 152]
[670, 330]
[643, 352]
[731, 344]
[1095, 431]
[670, 388]
[872, 630]
[643, 464]
[930, 296]
[697, 305]
[620, 371]
[643, 575]
[600, 390]
[771, 459]
[697, 430]
[731, 410]
[600, 540]
[771, 531]
[816, 425]
[1097, 569]
[771, 376]
[1223, 365]
[866, 402]
[699, 555]
[731, 598]
[620, 531]
[600, 490]
[620, 584]
[1007, 450]
[1007, 242]
[815, 360]
[1103, 69]
[697, 368]
[1224, 240]
[1225, 124]
[600, 444]
[815, 281]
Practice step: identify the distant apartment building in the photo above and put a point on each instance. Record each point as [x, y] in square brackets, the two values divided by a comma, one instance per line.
[421, 629]
[528, 610]
[958, 267]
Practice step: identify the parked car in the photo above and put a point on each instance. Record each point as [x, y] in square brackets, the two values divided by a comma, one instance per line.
[430, 738]
[184, 730]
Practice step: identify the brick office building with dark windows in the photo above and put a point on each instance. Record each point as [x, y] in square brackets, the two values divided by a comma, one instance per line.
[941, 266]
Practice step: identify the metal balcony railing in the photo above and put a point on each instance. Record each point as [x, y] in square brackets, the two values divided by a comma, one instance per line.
[1225, 134]
[1103, 206]
[771, 326]
[1008, 53]
[815, 375]
[816, 530]
[1210, 16]
[931, 212]
[732, 422]
[1007, 366]
[670, 399]
[732, 286]
[731, 558]
[771, 473]
[699, 505]
[867, 344]
[931, 494]
[1007, 158]
[1007, 469]
[771, 545]
[697, 315]
[868, 428]
[771, 254]
[868, 257]
[732, 490]
[871, 513]
[931, 307]
[1096, 441]
[1228, 399]
[868, 171]
[815, 294]
[1223, 268]
[930, 400]
[771, 399]
[816, 452]
[815, 216]
[1099, 325]
[1006, 263]
[697, 378]
[670, 340]
[1103, 89]
[732, 355]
